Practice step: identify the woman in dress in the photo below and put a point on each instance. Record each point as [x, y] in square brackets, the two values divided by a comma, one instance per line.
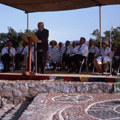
[104, 54]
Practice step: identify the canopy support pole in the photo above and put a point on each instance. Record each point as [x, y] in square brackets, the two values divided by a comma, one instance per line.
[100, 25]
[111, 51]
[29, 43]
[27, 24]
[29, 57]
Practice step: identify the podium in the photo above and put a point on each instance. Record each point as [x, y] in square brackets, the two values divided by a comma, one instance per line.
[30, 39]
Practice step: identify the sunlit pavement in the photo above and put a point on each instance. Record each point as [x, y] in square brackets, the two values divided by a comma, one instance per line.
[73, 106]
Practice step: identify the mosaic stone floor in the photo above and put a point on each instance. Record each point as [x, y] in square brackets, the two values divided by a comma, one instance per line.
[74, 106]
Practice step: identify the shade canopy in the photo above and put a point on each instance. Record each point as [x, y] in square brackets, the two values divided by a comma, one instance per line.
[55, 5]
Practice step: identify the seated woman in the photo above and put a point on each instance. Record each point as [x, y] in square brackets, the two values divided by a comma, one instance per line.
[53, 50]
[105, 54]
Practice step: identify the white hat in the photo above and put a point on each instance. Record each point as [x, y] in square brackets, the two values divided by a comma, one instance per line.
[105, 41]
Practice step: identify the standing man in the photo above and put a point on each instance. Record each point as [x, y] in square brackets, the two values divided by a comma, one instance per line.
[42, 47]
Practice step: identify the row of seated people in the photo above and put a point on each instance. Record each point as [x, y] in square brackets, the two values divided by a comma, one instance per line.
[75, 53]
[11, 57]
[69, 54]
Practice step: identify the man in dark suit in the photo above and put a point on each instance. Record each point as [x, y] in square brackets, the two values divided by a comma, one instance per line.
[42, 47]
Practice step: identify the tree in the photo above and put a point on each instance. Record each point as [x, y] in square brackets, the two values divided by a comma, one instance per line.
[12, 36]
[31, 32]
[96, 33]
[115, 37]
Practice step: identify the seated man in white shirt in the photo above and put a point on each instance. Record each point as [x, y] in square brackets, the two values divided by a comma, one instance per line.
[61, 48]
[82, 52]
[8, 54]
[71, 56]
[19, 55]
[66, 53]
[93, 53]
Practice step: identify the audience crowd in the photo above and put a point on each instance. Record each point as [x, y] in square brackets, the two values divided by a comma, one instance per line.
[69, 55]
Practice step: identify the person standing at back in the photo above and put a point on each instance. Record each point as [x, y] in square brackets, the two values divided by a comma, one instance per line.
[42, 47]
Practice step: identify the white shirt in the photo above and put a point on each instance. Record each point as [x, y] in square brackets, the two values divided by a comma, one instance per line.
[61, 50]
[12, 51]
[20, 49]
[83, 50]
[94, 50]
[69, 48]
[53, 50]
[26, 52]
[104, 52]
[73, 51]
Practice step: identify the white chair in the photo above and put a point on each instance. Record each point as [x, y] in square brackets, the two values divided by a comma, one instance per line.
[55, 58]
[105, 66]
[1, 66]
[81, 64]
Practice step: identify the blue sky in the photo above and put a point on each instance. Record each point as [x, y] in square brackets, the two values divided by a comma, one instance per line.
[62, 25]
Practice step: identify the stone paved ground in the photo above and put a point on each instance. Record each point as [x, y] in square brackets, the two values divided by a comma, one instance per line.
[13, 112]
[73, 106]
[65, 106]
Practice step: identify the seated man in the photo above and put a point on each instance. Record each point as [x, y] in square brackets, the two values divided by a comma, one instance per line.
[61, 48]
[116, 60]
[73, 49]
[93, 53]
[19, 55]
[66, 53]
[8, 54]
[81, 53]
[72, 53]
[26, 55]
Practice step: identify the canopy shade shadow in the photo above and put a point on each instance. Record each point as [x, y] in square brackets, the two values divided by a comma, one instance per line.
[55, 5]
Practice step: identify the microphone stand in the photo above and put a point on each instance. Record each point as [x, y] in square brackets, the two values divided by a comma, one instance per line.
[110, 52]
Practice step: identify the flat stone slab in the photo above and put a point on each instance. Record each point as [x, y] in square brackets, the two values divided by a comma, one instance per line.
[73, 106]
[13, 112]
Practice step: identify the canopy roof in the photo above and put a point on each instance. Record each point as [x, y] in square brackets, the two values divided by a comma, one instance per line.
[55, 5]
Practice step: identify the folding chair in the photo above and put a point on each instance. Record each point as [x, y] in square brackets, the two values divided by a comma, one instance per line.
[12, 67]
[105, 67]
[118, 72]
[22, 64]
[81, 64]
[56, 58]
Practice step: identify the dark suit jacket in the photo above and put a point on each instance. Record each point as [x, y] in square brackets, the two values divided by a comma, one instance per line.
[43, 36]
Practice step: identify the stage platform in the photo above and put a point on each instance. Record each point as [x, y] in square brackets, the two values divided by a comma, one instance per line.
[60, 75]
